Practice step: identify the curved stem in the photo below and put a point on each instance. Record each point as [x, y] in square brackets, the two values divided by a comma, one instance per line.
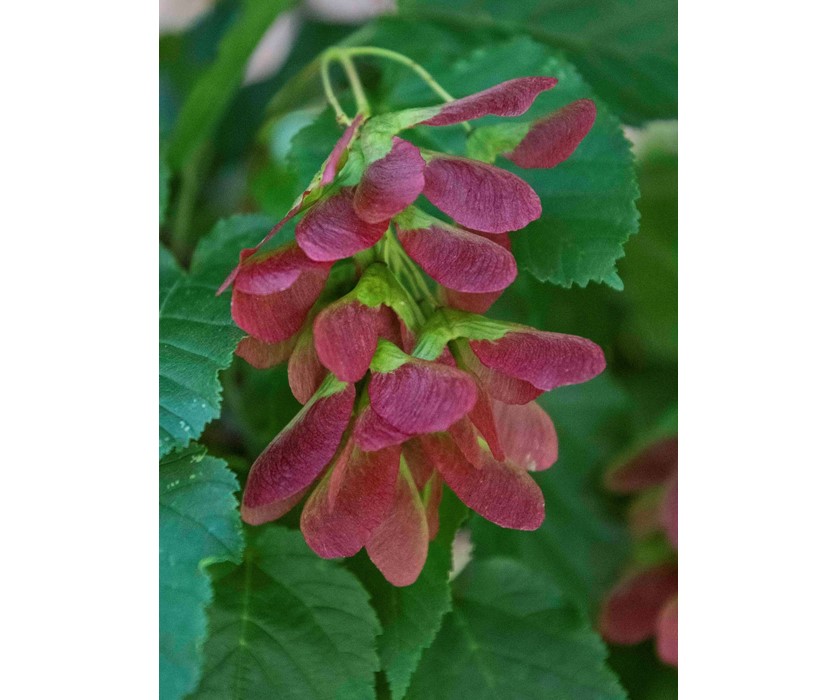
[361, 102]
[418, 280]
[400, 58]
[343, 54]
[330, 92]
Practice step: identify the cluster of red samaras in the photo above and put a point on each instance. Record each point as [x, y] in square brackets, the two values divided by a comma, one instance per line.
[644, 604]
[384, 424]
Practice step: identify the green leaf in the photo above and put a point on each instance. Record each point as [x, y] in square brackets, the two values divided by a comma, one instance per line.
[287, 624]
[513, 635]
[216, 88]
[197, 334]
[411, 616]
[199, 525]
[626, 49]
[588, 200]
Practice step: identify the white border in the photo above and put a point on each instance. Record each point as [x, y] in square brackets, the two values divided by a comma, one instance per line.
[758, 380]
[79, 122]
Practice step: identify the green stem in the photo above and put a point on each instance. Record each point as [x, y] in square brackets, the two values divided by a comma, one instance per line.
[361, 102]
[408, 275]
[344, 54]
[190, 188]
[404, 60]
[385, 252]
[330, 92]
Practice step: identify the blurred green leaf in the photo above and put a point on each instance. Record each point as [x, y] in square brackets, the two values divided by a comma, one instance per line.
[216, 88]
[239, 129]
[287, 624]
[513, 635]
[626, 49]
[411, 616]
[199, 525]
[197, 334]
[650, 269]
[642, 673]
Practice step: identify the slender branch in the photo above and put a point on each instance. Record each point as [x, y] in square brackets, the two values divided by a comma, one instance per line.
[330, 92]
[192, 177]
[361, 102]
[389, 255]
[407, 272]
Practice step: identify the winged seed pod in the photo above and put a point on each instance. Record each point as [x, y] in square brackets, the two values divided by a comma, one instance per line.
[406, 388]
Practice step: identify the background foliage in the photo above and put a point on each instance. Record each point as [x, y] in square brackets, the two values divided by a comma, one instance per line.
[256, 614]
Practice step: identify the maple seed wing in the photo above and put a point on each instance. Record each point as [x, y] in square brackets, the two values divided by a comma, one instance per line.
[508, 99]
[545, 360]
[460, 260]
[341, 525]
[391, 183]
[480, 196]
[553, 139]
[296, 457]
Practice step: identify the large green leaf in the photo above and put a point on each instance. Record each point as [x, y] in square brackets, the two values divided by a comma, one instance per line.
[199, 525]
[216, 88]
[512, 635]
[411, 616]
[587, 201]
[287, 624]
[626, 49]
[197, 335]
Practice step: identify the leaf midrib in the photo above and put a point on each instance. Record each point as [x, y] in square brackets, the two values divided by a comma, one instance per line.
[246, 618]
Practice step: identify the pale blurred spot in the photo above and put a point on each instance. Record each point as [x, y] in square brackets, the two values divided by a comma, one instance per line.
[349, 11]
[273, 49]
[177, 15]
[460, 552]
[660, 135]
